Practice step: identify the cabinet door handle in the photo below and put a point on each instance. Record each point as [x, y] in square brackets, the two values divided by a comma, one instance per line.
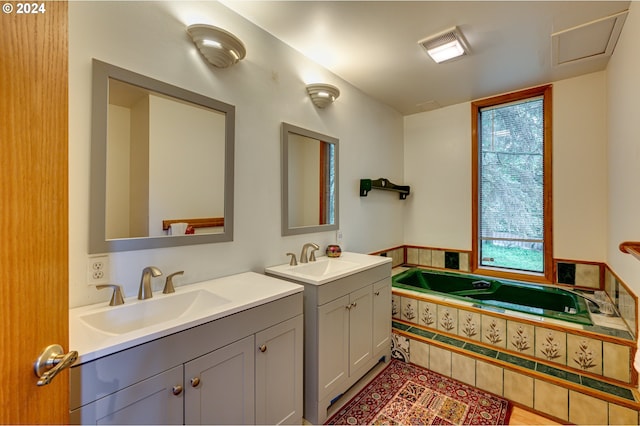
[195, 382]
[377, 293]
[263, 348]
[349, 306]
[176, 390]
[354, 304]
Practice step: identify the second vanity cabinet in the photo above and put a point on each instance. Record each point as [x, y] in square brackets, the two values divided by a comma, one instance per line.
[347, 332]
[245, 368]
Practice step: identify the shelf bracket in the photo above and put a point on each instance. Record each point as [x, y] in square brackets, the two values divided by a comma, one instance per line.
[367, 185]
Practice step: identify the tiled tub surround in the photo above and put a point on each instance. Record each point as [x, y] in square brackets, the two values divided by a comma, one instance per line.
[574, 273]
[564, 395]
[597, 351]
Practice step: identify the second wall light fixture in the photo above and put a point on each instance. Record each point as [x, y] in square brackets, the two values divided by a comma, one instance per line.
[322, 94]
[221, 48]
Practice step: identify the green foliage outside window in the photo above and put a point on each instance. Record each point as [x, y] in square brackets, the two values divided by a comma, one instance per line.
[511, 210]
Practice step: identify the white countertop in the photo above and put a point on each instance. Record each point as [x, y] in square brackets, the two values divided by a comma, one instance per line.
[349, 263]
[243, 291]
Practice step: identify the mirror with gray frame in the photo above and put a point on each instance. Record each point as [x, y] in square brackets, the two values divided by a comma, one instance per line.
[309, 181]
[161, 157]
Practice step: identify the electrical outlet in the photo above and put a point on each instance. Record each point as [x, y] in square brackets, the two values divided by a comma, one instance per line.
[98, 270]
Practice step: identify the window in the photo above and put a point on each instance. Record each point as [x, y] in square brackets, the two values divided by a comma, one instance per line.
[327, 183]
[512, 220]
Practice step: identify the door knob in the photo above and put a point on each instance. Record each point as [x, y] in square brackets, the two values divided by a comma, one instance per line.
[52, 361]
[195, 381]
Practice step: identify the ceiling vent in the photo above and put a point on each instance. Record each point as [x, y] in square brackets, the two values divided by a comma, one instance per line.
[594, 39]
[446, 45]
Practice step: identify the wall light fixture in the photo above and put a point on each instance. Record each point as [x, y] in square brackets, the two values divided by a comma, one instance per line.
[221, 48]
[322, 94]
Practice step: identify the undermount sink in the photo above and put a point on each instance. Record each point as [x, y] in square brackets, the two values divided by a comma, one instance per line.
[327, 269]
[144, 313]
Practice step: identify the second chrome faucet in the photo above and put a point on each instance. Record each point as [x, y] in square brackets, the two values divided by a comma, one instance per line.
[312, 257]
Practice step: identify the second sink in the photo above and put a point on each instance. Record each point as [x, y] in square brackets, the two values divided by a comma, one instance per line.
[325, 266]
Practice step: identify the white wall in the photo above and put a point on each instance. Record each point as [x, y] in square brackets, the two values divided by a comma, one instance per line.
[623, 81]
[438, 168]
[267, 88]
[437, 157]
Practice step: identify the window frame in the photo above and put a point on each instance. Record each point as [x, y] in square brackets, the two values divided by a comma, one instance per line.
[547, 276]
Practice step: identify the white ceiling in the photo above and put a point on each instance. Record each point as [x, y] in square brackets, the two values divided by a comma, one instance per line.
[374, 44]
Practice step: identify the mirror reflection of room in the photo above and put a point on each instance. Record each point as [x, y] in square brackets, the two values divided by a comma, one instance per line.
[165, 161]
[311, 181]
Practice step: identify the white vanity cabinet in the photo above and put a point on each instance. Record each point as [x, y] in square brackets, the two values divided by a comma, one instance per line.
[245, 368]
[347, 326]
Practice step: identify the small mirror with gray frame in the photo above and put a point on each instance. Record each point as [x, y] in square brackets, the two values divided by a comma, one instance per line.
[309, 181]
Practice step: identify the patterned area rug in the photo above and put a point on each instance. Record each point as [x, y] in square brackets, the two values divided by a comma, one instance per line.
[407, 394]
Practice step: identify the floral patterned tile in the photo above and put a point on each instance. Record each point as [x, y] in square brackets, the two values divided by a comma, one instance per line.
[427, 313]
[409, 309]
[494, 331]
[395, 306]
[584, 353]
[447, 319]
[469, 325]
[551, 345]
[400, 347]
[521, 337]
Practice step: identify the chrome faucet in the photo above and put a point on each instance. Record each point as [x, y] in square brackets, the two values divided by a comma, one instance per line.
[303, 255]
[145, 282]
[168, 284]
[116, 297]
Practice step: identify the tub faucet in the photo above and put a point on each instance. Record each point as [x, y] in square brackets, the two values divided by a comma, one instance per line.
[145, 282]
[303, 255]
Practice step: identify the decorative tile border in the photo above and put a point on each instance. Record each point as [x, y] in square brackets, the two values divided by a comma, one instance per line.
[608, 356]
[526, 363]
[514, 381]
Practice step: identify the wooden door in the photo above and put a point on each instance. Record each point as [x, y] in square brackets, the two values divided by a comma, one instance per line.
[33, 209]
